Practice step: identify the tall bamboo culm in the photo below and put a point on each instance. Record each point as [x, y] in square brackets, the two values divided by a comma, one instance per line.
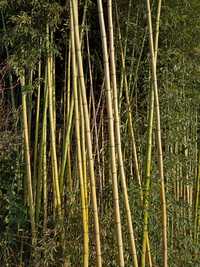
[118, 135]
[111, 134]
[88, 133]
[27, 158]
[158, 133]
[79, 154]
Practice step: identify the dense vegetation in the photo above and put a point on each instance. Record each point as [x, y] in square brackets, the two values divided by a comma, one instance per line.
[99, 133]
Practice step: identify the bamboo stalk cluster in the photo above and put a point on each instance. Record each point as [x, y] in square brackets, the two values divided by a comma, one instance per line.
[70, 165]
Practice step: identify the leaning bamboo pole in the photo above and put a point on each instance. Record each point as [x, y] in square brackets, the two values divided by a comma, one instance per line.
[84, 152]
[67, 98]
[118, 135]
[52, 132]
[158, 133]
[148, 164]
[35, 162]
[27, 158]
[44, 163]
[42, 172]
[88, 133]
[129, 111]
[111, 134]
[66, 146]
[130, 121]
[149, 148]
[79, 154]
[197, 203]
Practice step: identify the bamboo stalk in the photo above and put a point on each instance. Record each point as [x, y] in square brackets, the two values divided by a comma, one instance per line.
[88, 133]
[36, 132]
[129, 111]
[79, 153]
[118, 135]
[42, 169]
[27, 157]
[52, 134]
[147, 177]
[197, 205]
[66, 145]
[111, 134]
[158, 133]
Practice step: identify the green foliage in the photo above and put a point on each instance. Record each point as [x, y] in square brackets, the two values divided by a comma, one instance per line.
[3, 4]
[26, 30]
[13, 215]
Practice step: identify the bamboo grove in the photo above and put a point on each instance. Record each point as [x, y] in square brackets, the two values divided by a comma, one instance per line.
[99, 133]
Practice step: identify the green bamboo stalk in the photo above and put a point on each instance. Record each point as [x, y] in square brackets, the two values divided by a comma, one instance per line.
[147, 177]
[42, 171]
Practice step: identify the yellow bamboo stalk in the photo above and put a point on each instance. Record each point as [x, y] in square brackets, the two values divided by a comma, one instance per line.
[79, 154]
[27, 157]
[149, 146]
[158, 133]
[197, 203]
[66, 146]
[42, 168]
[52, 133]
[44, 158]
[111, 134]
[84, 152]
[36, 133]
[118, 136]
[88, 134]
